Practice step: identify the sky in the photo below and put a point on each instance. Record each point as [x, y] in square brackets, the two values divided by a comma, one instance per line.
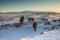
[34, 5]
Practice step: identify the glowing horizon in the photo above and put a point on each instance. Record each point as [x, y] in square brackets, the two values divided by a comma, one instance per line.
[34, 5]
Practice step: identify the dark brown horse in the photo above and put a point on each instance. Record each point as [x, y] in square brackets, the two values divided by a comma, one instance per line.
[21, 19]
[31, 20]
[35, 26]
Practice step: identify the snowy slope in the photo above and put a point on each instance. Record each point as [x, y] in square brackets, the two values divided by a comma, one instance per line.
[26, 32]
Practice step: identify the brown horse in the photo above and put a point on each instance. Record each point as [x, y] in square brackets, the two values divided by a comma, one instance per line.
[22, 20]
[31, 20]
[35, 26]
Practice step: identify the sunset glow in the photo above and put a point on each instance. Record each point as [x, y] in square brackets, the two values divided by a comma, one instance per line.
[34, 5]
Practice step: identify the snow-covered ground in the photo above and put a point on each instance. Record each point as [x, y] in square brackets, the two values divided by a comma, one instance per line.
[26, 32]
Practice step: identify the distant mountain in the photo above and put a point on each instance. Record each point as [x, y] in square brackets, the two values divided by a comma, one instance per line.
[27, 11]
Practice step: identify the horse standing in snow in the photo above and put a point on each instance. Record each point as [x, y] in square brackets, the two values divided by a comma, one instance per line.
[21, 20]
[35, 26]
[30, 20]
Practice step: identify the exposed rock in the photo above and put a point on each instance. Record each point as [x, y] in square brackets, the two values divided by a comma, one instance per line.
[41, 33]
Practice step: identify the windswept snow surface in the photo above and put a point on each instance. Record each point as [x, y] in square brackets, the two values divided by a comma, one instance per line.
[26, 32]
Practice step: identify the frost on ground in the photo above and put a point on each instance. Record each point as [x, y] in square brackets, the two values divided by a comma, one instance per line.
[51, 35]
[26, 32]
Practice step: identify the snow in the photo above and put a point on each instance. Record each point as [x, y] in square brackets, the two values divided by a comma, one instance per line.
[51, 35]
[26, 32]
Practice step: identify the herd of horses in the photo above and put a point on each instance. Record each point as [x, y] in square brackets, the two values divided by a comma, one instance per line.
[30, 20]
[21, 23]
